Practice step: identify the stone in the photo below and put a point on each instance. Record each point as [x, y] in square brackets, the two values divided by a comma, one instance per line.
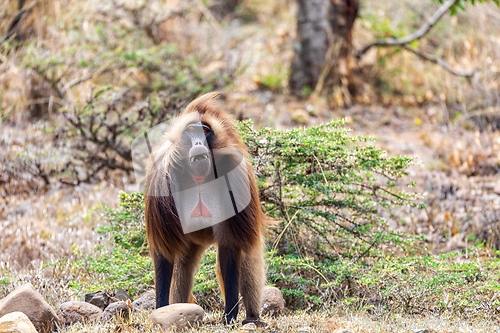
[76, 312]
[257, 323]
[496, 189]
[113, 299]
[273, 303]
[178, 315]
[122, 295]
[304, 329]
[27, 300]
[48, 271]
[117, 309]
[16, 322]
[300, 117]
[98, 298]
[250, 327]
[22, 209]
[146, 301]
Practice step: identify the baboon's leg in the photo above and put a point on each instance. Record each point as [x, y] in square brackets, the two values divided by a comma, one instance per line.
[252, 280]
[163, 279]
[183, 275]
[219, 277]
[229, 262]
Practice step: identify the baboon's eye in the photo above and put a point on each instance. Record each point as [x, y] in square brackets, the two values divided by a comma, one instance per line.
[193, 128]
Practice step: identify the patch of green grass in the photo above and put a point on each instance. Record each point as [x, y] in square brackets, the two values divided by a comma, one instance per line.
[271, 81]
[274, 81]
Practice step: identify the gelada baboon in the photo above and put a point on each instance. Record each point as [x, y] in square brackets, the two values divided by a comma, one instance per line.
[201, 190]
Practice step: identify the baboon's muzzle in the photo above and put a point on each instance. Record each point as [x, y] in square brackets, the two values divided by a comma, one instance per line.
[199, 162]
[199, 154]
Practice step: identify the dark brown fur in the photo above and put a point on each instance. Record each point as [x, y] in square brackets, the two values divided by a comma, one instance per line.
[239, 239]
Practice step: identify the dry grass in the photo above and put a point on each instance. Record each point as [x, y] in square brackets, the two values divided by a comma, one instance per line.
[326, 321]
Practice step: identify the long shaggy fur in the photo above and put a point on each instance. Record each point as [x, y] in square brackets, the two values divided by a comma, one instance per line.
[241, 234]
[163, 227]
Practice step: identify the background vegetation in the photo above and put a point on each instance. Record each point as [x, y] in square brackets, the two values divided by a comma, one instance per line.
[395, 231]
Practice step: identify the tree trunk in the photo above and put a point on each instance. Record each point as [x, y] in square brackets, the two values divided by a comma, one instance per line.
[323, 51]
[224, 7]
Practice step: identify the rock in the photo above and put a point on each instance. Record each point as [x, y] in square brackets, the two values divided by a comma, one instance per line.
[250, 327]
[178, 315]
[113, 299]
[16, 322]
[76, 312]
[422, 217]
[496, 189]
[27, 300]
[48, 271]
[421, 330]
[304, 329]
[117, 309]
[257, 323]
[300, 117]
[122, 295]
[146, 301]
[98, 298]
[22, 209]
[273, 303]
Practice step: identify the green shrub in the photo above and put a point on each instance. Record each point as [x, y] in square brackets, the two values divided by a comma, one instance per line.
[326, 187]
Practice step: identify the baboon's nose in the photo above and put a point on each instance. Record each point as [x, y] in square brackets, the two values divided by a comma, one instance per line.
[198, 161]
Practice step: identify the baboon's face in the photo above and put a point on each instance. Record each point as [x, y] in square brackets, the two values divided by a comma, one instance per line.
[208, 180]
[197, 137]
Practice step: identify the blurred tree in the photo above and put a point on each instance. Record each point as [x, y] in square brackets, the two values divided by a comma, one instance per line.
[324, 53]
[222, 8]
[230, 5]
[324, 44]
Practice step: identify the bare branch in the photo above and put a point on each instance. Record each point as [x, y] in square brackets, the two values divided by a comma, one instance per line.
[403, 42]
[437, 60]
[414, 36]
[487, 111]
[209, 16]
[76, 81]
